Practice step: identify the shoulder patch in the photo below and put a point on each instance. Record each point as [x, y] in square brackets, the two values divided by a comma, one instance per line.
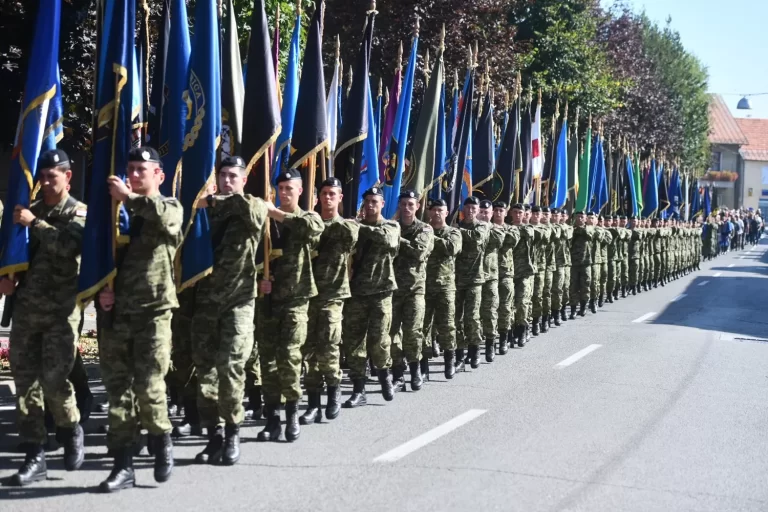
[81, 212]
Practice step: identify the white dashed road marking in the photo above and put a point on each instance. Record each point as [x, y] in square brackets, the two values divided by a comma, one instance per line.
[703, 283]
[644, 317]
[578, 355]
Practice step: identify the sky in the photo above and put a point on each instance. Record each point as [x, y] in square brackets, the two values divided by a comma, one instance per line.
[729, 37]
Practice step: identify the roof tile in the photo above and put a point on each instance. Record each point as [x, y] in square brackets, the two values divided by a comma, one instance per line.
[724, 129]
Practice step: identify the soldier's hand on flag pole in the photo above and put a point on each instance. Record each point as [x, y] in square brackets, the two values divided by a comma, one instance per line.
[106, 299]
[117, 188]
[7, 286]
[265, 286]
[23, 216]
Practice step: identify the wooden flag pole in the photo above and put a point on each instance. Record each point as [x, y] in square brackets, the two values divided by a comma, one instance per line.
[267, 196]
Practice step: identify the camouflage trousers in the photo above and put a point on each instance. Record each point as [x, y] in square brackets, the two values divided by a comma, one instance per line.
[538, 293]
[624, 270]
[469, 330]
[42, 354]
[181, 377]
[284, 331]
[634, 272]
[581, 284]
[546, 298]
[407, 329]
[657, 269]
[566, 291]
[365, 332]
[594, 285]
[135, 354]
[603, 277]
[506, 303]
[558, 282]
[222, 341]
[489, 307]
[439, 319]
[523, 300]
[610, 284]
[253, 365]
[322, 348]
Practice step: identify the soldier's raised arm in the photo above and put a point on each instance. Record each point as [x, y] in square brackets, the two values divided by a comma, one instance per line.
[167, 213]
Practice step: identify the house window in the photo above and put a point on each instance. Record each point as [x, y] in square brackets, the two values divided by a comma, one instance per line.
[717, 158]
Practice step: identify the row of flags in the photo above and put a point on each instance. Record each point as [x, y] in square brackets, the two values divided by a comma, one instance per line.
[207, 100]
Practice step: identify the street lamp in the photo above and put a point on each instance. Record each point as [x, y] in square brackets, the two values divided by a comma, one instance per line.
[744, 104]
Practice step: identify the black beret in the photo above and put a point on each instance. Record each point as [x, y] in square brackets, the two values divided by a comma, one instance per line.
[633, 217]
[53, 158]
[536, 209]
[554, 211]
[485, 204]
[145, 154]
[331, 182]
[544, 209]
[232, 161]
[471, 200]
[527, 207]
[499, 204]
[518, 206]
[436, 203]
[578, 212]
[622, 217]
[373, 191]
[590, 214]
[408, 194]
[609, 217]
[289, 175]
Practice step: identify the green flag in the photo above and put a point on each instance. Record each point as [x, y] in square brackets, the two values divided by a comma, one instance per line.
[422, 158]
[582, 187]
[638, 182]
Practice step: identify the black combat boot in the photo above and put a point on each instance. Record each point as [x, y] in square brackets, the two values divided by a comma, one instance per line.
[333, 407]
[544, 327]
[490, 348]
[424, 366]
[535, 326]
[583, 308]
[460, 364]
[122, 475]
[313, 413]
[211, 454]
[358, 398]
[398, 378]
[526, 334]
[503, 345]
[387, 389]
[623, 292]
[34, 468]
[592, 306]
[450, 369]
[435, 347]
[474, 362]
[616, 294]
[555, 316]
[190, 425]
[416, 380]
[74, 449]
[563, 316]
[292, 429]
[254, 402]
[550, 320]
[609, 298]
[599, 301]
[163, 456]
[573, 313]
[230, 454]
[273, 429]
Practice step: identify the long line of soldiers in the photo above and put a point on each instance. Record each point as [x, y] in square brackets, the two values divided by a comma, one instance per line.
[389, 292]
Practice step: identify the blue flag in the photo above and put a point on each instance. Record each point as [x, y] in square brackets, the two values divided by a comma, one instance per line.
[707, 202]
[397, 144]
[601, 187]
[651, 196]
[201, 142]
[696, 208]
[290, 99]
[632, 199]
[560, 178]
[38, 130]
[174, 116]
[369, 172]
[441, 161]
[114, 101]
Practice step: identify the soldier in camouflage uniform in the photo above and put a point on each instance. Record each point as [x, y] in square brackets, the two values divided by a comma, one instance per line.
[182, 378]
[635, 254]
[506, 277]
[290, 289]
[222, 327]
[440, 296]
[489, 304]
[469, 283]
[607, 239]
[368, 313]
[558, 262]
[597, 241]
[656, 236]
[564, 262]
[647, 254]
[582, 257]
[135, 351]
[416, 242]
[614, 258]
[525, 269]
[330, 261]
[551, 269]
[46, 321]
[540, 244]
[624, 254]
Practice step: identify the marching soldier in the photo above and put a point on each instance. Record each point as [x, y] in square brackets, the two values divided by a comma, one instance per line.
[285, 324]
[469, 283]
[604, 243]
[330, 266]
[368, 313]
[506, 277]
[582, 256]
[541, 242]
[564, 262]
[525, 269]
[222, 326]
[489, 308]
[624, 262]
[551, 269]
[614, 258]
[135, 351]
[45, 327]
[440, 296]
[416, 242]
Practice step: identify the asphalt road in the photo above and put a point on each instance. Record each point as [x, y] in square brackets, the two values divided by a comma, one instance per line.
[657, 403]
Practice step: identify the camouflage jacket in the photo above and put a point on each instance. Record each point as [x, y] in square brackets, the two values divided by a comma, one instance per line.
[551, 248]
[416, 243]
[656, 236]
[614, 249]
[55, 241]
[145, 274]
[237, 225]
[491, 257]
[292, 271]
[582, 246]
[563, 246]
[330, 259]
[507, 251]
[525, 265]
[469, 262]
[441, 265]
[372, 265]
[542, 234]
